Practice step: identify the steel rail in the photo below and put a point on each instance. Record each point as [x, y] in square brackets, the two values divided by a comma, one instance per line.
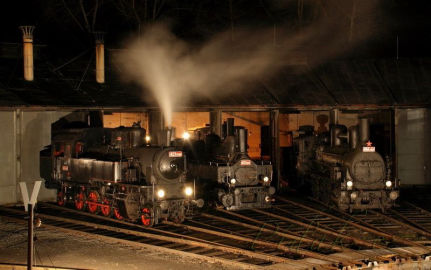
[320, 229]
[369, 228]
[375, 245]
[305, 225]
[409, 219]
[62, 208]
[227, 249]
[417, 244]
[418, 230]
[419, 208]
[328, 227]
[279, 233]
[112, 239]
[297, 251]
[351, 217]
[135, 225]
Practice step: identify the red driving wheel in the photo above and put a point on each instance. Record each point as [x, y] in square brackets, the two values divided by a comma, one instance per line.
[92, 202]
[60, 198]
[117, 214]
[106, 208]
[147, 218]
[80, 200]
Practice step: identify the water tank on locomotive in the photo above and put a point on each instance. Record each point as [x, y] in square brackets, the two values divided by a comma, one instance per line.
[343, 168]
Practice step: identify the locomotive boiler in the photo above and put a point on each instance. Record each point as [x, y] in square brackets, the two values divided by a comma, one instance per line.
[112, 171]
[344, 169]
[225, 171]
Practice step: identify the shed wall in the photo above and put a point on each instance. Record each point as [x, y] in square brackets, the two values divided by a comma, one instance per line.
[412, 129]
[24, 134]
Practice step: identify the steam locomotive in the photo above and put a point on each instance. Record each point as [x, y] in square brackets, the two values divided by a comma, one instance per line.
[223, 167]
[344, 169]
[115, 172]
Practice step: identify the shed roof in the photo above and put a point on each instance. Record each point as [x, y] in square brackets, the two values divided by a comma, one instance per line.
[348, 82]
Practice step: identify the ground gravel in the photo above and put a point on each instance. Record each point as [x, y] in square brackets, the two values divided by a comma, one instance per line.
[54, 248]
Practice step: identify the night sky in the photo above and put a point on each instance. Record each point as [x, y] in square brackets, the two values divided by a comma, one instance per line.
[61, 23]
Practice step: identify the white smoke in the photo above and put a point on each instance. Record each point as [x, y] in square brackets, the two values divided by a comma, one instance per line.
[174, 70]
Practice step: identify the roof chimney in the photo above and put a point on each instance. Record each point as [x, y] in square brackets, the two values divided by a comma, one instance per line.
[27, 37]
[100, 57]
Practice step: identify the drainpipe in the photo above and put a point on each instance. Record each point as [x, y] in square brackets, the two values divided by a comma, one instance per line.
[27, 38]
[100, 57]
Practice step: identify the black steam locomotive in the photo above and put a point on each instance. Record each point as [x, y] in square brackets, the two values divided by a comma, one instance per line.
[114, 172]
[223, 167]
[344, 169]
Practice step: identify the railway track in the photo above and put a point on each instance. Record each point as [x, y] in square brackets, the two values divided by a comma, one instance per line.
[291, 235]
[225, 247]
[413, 215]
[104, 228]
[384, 230]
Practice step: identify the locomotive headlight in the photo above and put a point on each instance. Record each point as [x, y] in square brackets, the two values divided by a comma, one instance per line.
[388, 183]
[188, 191]
[233, 181]
[393, 195]
[147, 139]
[160, 193]
[186, 135]
[349, 184]
[266, 179]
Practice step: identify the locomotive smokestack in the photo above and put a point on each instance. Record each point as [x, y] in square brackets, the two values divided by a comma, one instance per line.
[364, 130]
[229, 127]
[215, 122]
[100, 57]
[353, 137]
[242, 140]
[27, 38]
[166, 136]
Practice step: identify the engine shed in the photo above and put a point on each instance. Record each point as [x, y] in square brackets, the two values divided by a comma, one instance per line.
[290, 135]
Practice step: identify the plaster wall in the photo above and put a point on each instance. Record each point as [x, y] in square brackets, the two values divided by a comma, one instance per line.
[7, 158]
[412, 129]
[24, 134]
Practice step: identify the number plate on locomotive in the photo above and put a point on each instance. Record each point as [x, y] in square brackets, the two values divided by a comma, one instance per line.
[245, 162]
[175, 154]
[368, 149]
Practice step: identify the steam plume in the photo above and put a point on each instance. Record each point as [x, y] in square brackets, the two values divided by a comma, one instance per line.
[174, 70]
